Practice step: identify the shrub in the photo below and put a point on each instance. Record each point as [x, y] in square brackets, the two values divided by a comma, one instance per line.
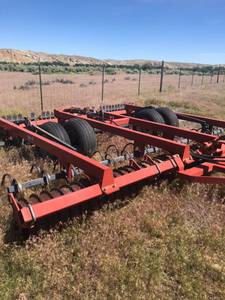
[64, 81]
[30, 82]
[82, 85]
[46, 83]
[24, 87]
[127, 78]
[133, 71]
[111, 71]
[92, 82]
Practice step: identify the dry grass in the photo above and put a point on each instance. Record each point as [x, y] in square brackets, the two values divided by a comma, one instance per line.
[85, 89]
[206, 100]
[161, 245]
[155, 242]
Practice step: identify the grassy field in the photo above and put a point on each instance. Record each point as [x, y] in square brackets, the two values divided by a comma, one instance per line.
[164, 241]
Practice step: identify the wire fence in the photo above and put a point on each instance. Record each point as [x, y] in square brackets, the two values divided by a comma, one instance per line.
[25, 91]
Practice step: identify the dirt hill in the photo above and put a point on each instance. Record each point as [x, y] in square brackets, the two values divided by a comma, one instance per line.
[23, 56]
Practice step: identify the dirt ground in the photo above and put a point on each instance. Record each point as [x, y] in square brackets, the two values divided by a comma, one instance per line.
[18, 95]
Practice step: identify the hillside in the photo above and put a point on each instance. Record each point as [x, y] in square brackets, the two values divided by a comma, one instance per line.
[22, 56]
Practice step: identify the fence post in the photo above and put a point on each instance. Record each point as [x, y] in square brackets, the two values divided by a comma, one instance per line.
[218, 75]
[192, 78]
[139, 81]
[161, 77]
[211, 76]
[202, 78]
[40, 84]
[179, 80]
[103, 83]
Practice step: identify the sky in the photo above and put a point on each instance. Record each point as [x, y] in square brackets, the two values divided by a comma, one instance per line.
[172, 30]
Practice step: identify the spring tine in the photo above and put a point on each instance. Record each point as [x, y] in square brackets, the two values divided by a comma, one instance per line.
[134, 164]
[37, 168]
[56, 163]
[123, 151]
[109, 147]
[5, 177]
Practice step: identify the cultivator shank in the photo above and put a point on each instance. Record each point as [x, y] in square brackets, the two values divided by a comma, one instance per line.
[158, 149]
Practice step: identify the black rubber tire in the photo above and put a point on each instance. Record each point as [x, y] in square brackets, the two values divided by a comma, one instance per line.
[149, 114]
[169, 116]
[58, 131]
[82, 136]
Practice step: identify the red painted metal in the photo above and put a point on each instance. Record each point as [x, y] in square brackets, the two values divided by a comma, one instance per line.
[130, 108]
[65, 155]
[172, 164]
[167, 129]
[210, 121]
[51, 206]
[178, 158]
[138, 137]
[201, 172]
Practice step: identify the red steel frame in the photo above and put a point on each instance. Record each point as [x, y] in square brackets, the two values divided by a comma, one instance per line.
[187, 117]
[179, 159]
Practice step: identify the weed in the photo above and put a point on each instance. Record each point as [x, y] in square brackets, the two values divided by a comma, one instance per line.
[64, 81]
[111, 71]
[83, 85]
[183, 105]
[92, 82]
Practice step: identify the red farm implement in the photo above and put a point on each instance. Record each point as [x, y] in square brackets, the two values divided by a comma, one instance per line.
[160, 146]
